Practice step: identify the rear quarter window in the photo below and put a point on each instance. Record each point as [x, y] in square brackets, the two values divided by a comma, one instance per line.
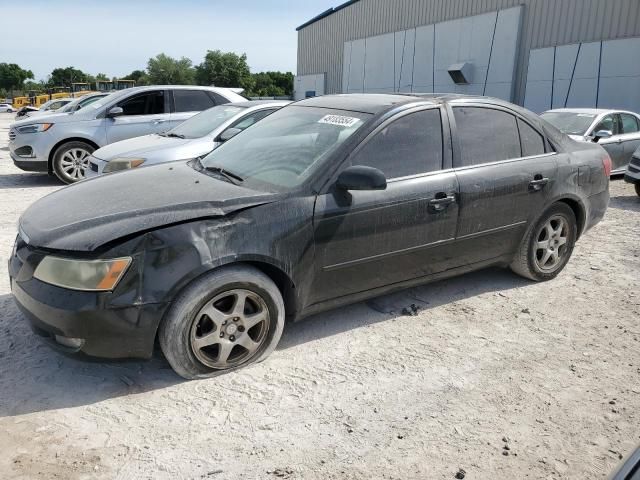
[532, 142]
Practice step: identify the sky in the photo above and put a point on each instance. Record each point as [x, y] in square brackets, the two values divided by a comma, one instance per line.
[116, 37]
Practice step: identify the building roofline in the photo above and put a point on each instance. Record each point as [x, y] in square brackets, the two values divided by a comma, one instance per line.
[326, 13]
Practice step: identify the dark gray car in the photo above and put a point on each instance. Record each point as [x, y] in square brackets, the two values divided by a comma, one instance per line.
[327, 201]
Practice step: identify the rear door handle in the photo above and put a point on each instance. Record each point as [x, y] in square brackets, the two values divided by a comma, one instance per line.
[441, 202]
[538, 183]
[159, 120]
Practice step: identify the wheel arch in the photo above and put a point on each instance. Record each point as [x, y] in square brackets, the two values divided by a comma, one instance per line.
[265, 265]
[579, 211]
[55, 148]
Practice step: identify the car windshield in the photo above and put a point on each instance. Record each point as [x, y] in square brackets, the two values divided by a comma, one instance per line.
[205, 122]
[283, 150]
[571, 123]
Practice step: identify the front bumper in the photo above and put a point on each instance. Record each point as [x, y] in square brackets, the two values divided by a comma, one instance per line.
[102, 327]
[29, 152]
[632, 174]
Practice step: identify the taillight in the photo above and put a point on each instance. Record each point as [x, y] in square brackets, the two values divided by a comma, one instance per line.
[606, 163]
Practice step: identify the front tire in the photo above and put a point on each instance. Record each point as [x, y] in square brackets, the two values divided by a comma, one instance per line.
[225, 320]
[547, 246]
[71, 160]
[637, 185]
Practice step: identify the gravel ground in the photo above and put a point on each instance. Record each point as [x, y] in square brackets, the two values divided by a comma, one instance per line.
[495, 375]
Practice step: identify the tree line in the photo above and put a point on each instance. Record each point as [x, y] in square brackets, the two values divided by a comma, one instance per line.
[222, 69]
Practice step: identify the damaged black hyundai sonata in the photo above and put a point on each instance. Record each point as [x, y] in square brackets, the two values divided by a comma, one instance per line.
[328, 201]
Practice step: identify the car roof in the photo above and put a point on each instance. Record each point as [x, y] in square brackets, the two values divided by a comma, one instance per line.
[591, 111]
[258, 103]
[181, 87]
[375, 103]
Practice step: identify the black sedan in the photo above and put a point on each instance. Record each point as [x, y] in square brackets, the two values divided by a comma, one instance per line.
[328, 201]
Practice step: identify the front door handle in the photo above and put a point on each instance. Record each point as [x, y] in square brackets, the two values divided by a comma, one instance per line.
[158, 120]
[441, 202]
[538, 183]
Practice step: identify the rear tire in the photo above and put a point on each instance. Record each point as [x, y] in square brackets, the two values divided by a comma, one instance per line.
[547, 245]
[225, 320]
[71, 160]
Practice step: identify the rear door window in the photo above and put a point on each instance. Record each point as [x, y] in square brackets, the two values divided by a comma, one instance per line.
[532, 142]
[407, 146]
[629, 123]
[192, 100]
[485, 135]
[147, 103]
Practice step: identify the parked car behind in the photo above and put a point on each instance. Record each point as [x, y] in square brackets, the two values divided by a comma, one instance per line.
[618, 132]
[632, 174]
[52, 106]
[6, 107]
[195, 137]
[327, 201]
[61, 144]
[82, 101]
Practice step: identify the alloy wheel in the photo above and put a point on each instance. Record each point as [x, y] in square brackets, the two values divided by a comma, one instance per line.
[74, 162]
[551, 243]
[230, 329]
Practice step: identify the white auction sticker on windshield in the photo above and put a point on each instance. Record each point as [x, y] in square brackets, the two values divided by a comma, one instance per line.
[339, 120]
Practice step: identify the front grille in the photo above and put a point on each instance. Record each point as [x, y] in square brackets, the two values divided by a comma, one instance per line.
[634, 169]
[12, 135]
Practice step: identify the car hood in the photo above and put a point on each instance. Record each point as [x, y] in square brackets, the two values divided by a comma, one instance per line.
[53, 118]
[92, 213]
[155, 147]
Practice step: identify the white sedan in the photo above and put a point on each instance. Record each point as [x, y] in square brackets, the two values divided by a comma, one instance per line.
[6, 107]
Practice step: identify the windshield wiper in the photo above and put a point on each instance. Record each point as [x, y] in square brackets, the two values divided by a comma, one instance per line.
[232, 177]
[174, 135]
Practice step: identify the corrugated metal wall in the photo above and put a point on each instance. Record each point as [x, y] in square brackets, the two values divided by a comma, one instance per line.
[545, 23]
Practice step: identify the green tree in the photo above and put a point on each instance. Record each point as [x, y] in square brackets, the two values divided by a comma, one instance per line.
[101, 77]
[224, 70]
[166, 70]
[272, 84]
[64, 77]
[12, 76]
[140, 76]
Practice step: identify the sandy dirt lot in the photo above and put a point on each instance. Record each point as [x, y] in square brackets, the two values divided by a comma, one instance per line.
[551, 371]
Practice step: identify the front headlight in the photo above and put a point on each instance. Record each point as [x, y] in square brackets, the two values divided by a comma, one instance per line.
[88, 275]
[118, 164]
[34, 128]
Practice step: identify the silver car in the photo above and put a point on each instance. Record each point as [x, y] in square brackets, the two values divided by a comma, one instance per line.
[195, 137]
[52, 106]
[62, 144]
[6, 107]
[616, 130]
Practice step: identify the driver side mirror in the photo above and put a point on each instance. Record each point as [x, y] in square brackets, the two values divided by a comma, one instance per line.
[359, 177]
[228, 134]
[115, 112]
[600, 134]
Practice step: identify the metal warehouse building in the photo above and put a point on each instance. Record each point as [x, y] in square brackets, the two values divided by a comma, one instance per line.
[538, 53]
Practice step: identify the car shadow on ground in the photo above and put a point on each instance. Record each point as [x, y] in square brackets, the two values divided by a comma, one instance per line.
[626, 202]
[24, 180]
[41, 379]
